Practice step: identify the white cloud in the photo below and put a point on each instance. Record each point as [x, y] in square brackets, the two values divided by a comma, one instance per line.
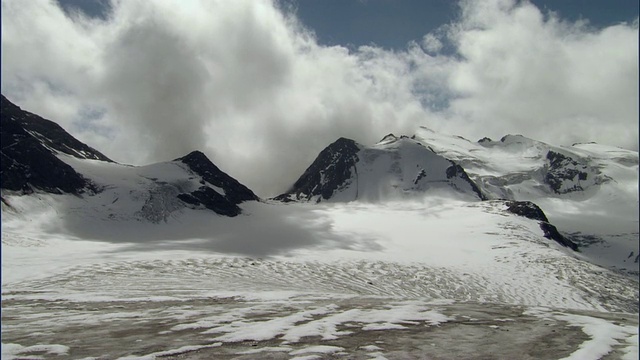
[247, 84]
[526, 72]
[431, 43]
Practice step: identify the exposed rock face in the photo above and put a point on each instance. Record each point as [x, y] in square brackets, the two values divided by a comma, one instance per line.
[210, 199]
[233, 193]
[533, 211]
[551, 232]
[330, 171]
[31, 160]
[29, 145]
[456, 170]
[526, 209]
[50, 134]
[564, 174]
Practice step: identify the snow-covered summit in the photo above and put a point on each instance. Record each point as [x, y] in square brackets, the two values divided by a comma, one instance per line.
[517, 167]
[393, 168]
[590, 191]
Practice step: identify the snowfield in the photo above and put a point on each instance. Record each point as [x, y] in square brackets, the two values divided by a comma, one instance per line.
[432, 278]
[602, 217]
[136, 265]
[400, 259]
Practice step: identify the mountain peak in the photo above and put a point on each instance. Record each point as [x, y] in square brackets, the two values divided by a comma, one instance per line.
[343, 141]
[340, 157]
[200, 164]
[30, 145]
[194, 156]
[51, 135]
[395, 166]
[31, 160]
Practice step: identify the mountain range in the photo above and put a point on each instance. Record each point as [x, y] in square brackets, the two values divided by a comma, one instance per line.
[397, 249]
[583, 196]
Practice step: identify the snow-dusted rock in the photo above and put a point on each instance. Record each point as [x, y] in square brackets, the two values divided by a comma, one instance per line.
[395, 167]
[38, 155]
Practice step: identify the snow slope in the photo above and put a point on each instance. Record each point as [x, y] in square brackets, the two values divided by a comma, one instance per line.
[366, 280]
[177, 260]
[130, 195]
[141, 277]
[590, 191]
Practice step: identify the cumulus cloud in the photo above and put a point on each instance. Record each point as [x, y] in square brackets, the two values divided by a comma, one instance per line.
[250, 86]
[533, 73]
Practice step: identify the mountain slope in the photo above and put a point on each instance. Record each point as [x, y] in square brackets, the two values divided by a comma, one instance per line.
[590, 191]
[352, 278]
[219, 192]
[392, 168]
[516, 167]
[38, 155]
[50, 134]
[29, 148]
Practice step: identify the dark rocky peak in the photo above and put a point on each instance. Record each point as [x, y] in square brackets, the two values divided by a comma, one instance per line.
[28, 161]
[234, 191]
[49, 133]
[484, 140]
[219, 192]
[196, 158]
[534, 212]
[328, 172]
[342, 145]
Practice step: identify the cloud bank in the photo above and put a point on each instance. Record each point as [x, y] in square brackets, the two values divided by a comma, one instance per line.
[245, 82]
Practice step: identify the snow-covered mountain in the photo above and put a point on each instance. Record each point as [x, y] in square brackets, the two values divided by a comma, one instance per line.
[589, 191]
[38, 155]
[517, 167]
[395, 167]
[430, 236]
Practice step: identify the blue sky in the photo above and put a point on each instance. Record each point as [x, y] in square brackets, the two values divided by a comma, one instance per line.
[393, 23]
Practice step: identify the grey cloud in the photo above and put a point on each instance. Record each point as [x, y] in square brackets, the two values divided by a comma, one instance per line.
[155, 87]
